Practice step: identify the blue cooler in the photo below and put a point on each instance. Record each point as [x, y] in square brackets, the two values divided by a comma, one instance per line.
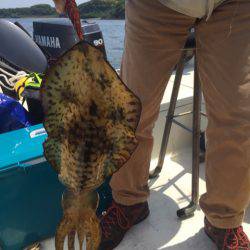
[30, 192]
[30, 204]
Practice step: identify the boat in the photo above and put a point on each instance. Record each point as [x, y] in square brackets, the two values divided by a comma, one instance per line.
[30, 205]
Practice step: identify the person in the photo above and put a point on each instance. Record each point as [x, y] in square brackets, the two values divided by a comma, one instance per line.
[156, 31]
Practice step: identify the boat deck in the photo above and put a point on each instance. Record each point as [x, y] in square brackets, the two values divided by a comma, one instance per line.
[163, 230]
[171, 191]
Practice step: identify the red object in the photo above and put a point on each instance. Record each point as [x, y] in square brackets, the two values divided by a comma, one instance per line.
[117, 220]
[225, 239]
[74, 16]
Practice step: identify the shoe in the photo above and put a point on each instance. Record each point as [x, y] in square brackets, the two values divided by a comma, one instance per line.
[227, 239]
[117, 220]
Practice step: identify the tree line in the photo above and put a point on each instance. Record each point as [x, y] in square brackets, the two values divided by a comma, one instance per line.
[104, 9]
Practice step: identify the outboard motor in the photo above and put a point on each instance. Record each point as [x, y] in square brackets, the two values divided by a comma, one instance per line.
[56, 36]
[51, 38]
[18, 48]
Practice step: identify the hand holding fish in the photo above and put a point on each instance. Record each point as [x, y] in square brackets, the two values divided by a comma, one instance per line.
[60, 6]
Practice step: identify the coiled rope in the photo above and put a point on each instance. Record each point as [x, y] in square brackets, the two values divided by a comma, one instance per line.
[10, 79]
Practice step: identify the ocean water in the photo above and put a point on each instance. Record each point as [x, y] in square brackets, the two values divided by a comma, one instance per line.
[113, 33]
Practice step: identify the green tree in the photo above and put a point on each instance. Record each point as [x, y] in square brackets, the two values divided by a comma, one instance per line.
[105, 9]
[42, 10]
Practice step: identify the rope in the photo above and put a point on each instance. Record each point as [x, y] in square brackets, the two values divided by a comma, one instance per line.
[74, 16]
[10, 79]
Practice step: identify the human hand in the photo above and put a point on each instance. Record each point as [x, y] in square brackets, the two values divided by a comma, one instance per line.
[60, 6]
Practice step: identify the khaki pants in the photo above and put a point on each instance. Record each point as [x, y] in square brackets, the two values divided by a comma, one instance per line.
[155, 36]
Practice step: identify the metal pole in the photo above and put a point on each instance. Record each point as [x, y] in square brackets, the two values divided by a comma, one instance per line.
[189, 210]
[170, 115]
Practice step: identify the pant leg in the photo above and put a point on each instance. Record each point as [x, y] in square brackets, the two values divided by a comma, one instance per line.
[223, 50]
[154, 38]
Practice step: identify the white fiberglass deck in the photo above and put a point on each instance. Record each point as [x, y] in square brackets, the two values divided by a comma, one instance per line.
[163, 230]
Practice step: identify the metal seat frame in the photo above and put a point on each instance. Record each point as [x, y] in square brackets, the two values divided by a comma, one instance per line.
[171, 118]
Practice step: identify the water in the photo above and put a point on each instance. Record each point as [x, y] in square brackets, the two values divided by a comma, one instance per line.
[113, 33]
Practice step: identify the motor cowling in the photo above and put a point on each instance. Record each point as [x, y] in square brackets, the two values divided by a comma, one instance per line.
[18, 49]
[56, 36]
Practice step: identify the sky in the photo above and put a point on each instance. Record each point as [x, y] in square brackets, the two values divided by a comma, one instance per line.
[27, 3]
